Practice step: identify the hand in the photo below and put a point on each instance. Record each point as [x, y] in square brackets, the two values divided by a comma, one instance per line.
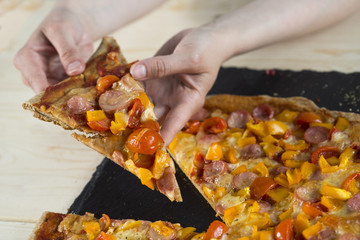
[178, 78]
[58, 47]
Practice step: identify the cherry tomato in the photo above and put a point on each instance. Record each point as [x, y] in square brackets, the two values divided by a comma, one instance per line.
[199, 162]
[304, 118]
[105, 222]
[145, 141]
[346, 184]
[101, 125]
[214, 125]
[151, 124]
[285, 230]
[260, 186]
[135, 110]
[311, 209]
[144, 161]
[105, 82]
[192, 127]
[326, 151]
[104, 236]
[215, 230]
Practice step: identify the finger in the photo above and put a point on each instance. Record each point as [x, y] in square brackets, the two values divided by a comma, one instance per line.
[30, 65]
[161, 66]
[176, 120]
[64, 43]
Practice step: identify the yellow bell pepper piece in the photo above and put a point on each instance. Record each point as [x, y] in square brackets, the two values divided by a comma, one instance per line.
[334, 192]
[331, 203]
[130, 224]
[281, 179]
[162, 161]
[269, 139]
[215, 152]
[245, 192]
[95, 115]
[286, 116]
[333, 161]
[179, 136]
[342, 123]
[259, 219]
[312, 230]
[266, 235]
[209, 193]
[255, 231]
[345, 157]
[294, 176]
[243, 238]
[161, 228]
[130, 166]
[307, 169]
[145, 100]
[120, 122]
[231, 213]
[92, 229]
[325, 167]
[255, 207]
[260, 169]
[288, 155]
[185, 232]
[299, 146]
[242, 142]
[230, 156]
[220, 192]
[258, 129]
[325, 125]
[145, 175]
[276, 127]
[270, 149]
[286, 214]
[301, 223]
[293, 163]
[278, 194]
[239, 169]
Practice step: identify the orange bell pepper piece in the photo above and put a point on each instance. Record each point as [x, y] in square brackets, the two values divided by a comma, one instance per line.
[276, 127]
[311, 210]
[95, 115]
[214, 152]
[305, 118]
[259, 129]
[286, 116]
[299, 146]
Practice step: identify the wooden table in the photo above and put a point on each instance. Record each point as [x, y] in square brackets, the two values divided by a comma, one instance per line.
[43, 168]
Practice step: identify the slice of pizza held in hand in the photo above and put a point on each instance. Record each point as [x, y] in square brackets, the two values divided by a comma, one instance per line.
[112, 114]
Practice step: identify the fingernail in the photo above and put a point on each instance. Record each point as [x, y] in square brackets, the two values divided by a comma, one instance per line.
[74, 67]
[138, 71]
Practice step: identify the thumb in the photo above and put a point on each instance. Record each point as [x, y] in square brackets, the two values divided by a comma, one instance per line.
[67, 49]
[162, 66]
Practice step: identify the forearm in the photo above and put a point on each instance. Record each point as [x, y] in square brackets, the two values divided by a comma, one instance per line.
[103, 17]
[263, 22]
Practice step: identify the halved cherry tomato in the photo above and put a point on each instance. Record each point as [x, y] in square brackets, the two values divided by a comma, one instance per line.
[101, 125]
[192, 127]
[145, 141]
[326, 151]
[215, 230]
[151, 124]
[346, 184]
[104, 236]
[105, 222]
[199, 162]
[214, 125]
[285, 230]
[304, 118]
[144, 161]
[260, 186]
[312, 210]
[105, 82]
[135, 110]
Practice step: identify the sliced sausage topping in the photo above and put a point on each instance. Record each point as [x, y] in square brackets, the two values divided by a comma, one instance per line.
[166, 183]
[316, 134]
[309, 192]
[263, 112]
[354, 203]
[243, 180]
[349, 236]
[214, 170]
[238, 119]
[252, 151]
[113, 100]
[78, 105]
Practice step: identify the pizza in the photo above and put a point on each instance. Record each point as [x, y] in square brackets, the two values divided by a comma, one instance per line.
[111, 113]
[57, 226]
[275, 167]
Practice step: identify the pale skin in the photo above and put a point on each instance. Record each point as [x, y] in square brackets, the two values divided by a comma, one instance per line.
[183, 70]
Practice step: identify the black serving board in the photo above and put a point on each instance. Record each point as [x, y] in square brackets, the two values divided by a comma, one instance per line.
[119, 194]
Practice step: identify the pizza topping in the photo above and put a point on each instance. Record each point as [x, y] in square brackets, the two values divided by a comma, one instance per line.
[161, 231]
[129, 85]
[313, 210]
[145, 141]
[166, 183]
[206, 140]
[135, 110]
[351, 183]
[326, 151]
[215, 231]
[243, 180]
[214, 125]
[305, 118]
[105, 82]
[238, 119]
[214, 152]
[263, 112]
[118, 158]
[252, 151]
[192, 127]
[316, 135]
[214, 170]
[285, 230]
[260, 186]
[113, 100]
[200, 115]
[354, 203]
[100, 125]
[78, 105]
[349, 236]
[308, 192]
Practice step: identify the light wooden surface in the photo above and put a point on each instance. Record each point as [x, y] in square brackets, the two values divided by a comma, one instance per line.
[43, 168]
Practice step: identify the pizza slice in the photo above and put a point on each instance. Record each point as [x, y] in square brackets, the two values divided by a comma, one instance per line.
[275, 167]
[58, 226]
[112, 114]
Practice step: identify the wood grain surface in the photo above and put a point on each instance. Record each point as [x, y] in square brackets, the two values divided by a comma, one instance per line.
[43, 168]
